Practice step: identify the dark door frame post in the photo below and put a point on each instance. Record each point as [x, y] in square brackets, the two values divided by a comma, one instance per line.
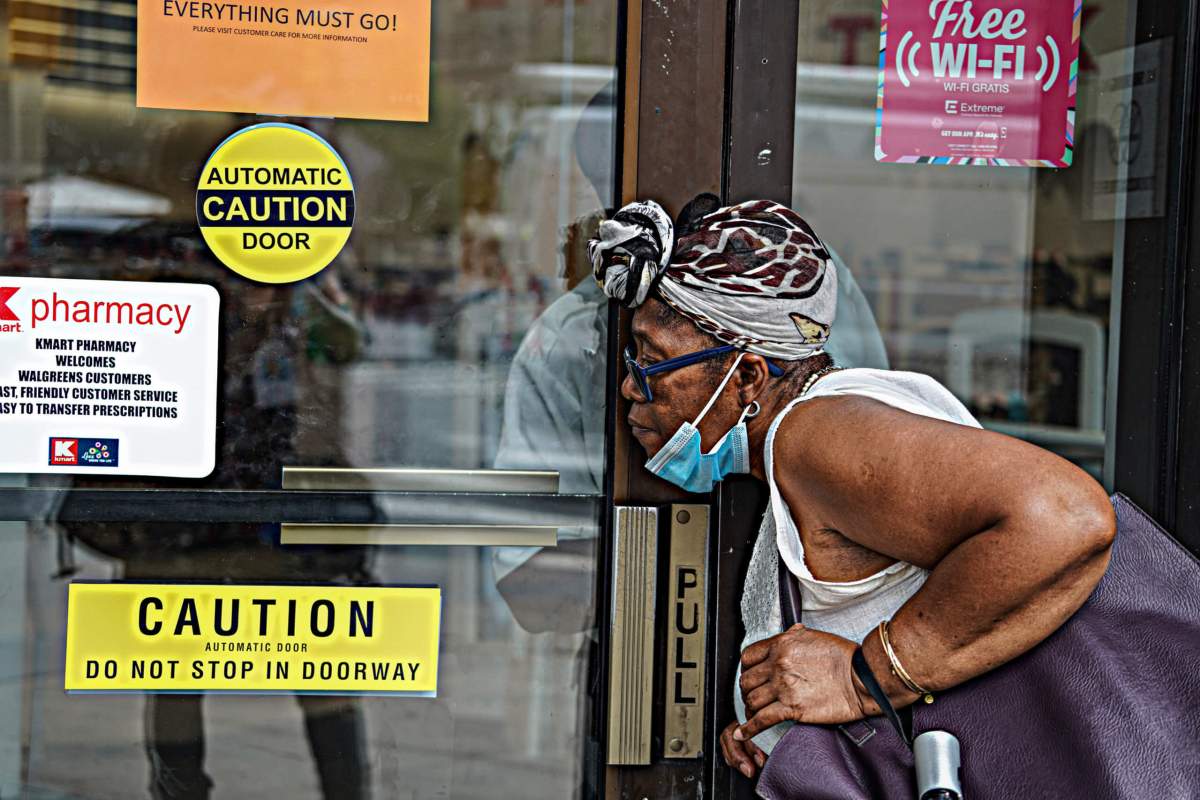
[673, 113]
[1157, 397]
[761, 143]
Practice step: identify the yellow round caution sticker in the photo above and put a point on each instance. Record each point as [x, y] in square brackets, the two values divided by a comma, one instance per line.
[275, 203]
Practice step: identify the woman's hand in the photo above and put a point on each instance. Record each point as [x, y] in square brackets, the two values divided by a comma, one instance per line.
[746, 757]
[801, 675]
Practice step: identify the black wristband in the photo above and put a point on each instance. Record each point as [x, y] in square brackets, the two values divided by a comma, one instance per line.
[858, 662]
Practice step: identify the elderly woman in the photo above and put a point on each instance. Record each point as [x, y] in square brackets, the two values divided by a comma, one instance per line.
[938, 548]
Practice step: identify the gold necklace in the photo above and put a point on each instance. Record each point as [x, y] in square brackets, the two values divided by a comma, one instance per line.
[816, 376]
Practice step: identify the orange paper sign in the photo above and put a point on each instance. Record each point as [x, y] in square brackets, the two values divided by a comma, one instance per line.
[308, 58]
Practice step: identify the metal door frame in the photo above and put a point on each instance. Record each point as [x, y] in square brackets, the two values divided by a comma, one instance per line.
[1158, 387]
[708, 90]
[703, 77]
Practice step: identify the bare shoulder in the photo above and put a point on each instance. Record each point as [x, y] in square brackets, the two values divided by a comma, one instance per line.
[824, 411]
[844, 428]
[905, 484]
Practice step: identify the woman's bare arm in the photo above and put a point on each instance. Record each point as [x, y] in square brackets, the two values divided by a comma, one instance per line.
[1016, 538]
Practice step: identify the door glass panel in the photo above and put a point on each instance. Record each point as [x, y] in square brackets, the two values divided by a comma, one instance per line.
[455, 331]
[401, 349]
[996, 281]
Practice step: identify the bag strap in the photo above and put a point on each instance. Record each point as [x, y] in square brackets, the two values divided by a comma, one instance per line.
[858, 663]
[790, 603]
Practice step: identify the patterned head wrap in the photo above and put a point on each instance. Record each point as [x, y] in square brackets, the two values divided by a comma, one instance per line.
[754, 275]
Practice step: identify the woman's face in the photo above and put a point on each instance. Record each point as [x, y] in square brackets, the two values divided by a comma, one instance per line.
[679, 395]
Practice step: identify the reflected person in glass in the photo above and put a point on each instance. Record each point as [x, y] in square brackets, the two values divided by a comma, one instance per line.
[554, 399]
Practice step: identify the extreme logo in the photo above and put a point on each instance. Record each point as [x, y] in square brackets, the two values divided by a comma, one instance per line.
[275, 203]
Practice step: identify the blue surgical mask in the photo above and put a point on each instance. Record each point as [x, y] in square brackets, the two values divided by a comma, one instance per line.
[682, 461]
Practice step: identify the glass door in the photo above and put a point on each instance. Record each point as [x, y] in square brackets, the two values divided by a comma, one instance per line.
[1047, 299]
[998, 281]
[427, 410]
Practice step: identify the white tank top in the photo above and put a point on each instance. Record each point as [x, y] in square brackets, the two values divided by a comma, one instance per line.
[849, 609]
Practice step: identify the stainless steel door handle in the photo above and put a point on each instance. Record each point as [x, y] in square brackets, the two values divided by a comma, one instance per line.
[451, 481]
[404, 479]
[430, 535]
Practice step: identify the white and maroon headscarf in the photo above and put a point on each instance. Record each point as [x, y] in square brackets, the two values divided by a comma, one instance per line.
[754, 275]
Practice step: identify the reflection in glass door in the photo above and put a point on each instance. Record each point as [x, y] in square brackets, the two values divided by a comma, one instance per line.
[454, 337]
[997, 281]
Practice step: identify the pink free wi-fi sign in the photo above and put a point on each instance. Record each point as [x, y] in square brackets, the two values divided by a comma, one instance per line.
[978, 82]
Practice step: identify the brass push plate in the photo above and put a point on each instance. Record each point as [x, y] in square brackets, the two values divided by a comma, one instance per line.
[687, 602]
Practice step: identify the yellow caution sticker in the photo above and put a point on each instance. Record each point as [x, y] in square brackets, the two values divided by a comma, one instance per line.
[275, 203]
[254, 639]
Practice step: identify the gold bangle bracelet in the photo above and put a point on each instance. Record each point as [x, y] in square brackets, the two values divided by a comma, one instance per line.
[897, 668]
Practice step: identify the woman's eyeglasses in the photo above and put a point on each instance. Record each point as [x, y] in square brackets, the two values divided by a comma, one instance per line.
[641, 375]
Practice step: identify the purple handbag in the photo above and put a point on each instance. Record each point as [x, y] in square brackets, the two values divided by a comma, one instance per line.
[1107, 707]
